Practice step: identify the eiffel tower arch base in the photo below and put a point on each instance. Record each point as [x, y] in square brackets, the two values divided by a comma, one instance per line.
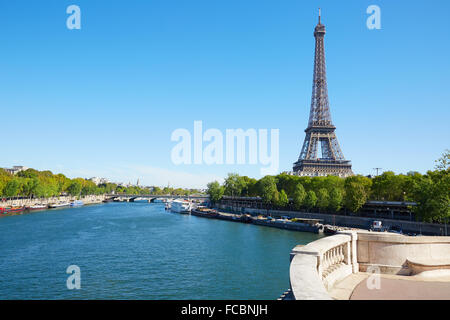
[322, 168]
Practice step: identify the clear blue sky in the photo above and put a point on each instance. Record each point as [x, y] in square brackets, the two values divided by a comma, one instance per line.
[104, 100]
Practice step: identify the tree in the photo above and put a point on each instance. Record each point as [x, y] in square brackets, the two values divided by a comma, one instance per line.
[234, 184]
[299, 196]
[215, 191]
[87, 187]
[268, 189]
[432, 196]
[167, 190]
[11, 188]
[336, 198]
[323, 199]
[29, 186]
[4, 178]
[287, 183]
[157, 191]
[443, 163]
[74, 188]
[357, 191]
[389, 187]
[29, 173]
[282, 200]
[310, 200]
[248, 186]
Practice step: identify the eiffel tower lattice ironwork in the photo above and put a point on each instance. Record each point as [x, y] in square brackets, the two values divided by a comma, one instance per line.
[321, 131]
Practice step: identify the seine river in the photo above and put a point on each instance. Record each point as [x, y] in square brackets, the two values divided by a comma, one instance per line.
[140, 251]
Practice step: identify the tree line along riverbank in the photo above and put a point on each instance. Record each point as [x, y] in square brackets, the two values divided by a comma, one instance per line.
[29, 202]
[32, 183]
[430, 192]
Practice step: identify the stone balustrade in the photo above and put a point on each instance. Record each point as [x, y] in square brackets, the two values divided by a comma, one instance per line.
[333, 259]
[316, 267]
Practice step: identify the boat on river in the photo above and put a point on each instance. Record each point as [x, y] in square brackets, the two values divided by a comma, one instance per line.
[11, 210]
[59, 205]
[141, 200]
[37, 207]
[77, 203]
[204, 212]
[181, 206]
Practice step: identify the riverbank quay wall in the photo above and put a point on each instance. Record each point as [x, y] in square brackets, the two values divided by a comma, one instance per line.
[287, 225]
[394, 210]
[90, 199]
[318, 266]
[350, 221]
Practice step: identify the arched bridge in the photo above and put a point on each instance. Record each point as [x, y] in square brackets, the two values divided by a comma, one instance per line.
[152, 197]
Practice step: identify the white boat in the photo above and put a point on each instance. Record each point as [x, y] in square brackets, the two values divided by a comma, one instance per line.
[59, 205]
[77, 203]
[180, 206]
[141, 200]
[38, 207]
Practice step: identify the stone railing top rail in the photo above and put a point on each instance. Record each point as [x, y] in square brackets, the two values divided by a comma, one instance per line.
[398, 238]
[322, 245]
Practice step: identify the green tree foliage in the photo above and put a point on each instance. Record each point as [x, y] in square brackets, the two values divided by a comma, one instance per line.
[215, 191]
[432, 193]
[268, 190]
[234, 184]
[88, 187]
[299, 196]
[11, 188]
[157, 191]
[310, 200]
[336, 200]
[29, 186]
[323, 199]
[74, 188]
[249, 188]
[4, 178]
[288, 183]
[282, 200]
[357, 192]
[34, 183]
[443, 163]
[390, 187]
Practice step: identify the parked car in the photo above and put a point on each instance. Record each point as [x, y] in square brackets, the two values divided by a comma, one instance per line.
[377, 226]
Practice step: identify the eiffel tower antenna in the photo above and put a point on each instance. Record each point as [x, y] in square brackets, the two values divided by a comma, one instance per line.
[320, 131]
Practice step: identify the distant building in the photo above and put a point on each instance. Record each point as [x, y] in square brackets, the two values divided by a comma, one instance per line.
[15, 169]
[98, 180]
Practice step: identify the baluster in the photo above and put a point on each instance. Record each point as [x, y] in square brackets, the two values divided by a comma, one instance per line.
[323, 265]
[341, 253]
[327, 262]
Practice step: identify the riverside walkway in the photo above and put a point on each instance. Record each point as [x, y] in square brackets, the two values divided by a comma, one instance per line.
[393, 287]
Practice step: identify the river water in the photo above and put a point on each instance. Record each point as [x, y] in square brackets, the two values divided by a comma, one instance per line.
[141, 251]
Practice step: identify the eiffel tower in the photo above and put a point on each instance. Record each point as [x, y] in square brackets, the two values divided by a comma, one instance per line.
[320, 130]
